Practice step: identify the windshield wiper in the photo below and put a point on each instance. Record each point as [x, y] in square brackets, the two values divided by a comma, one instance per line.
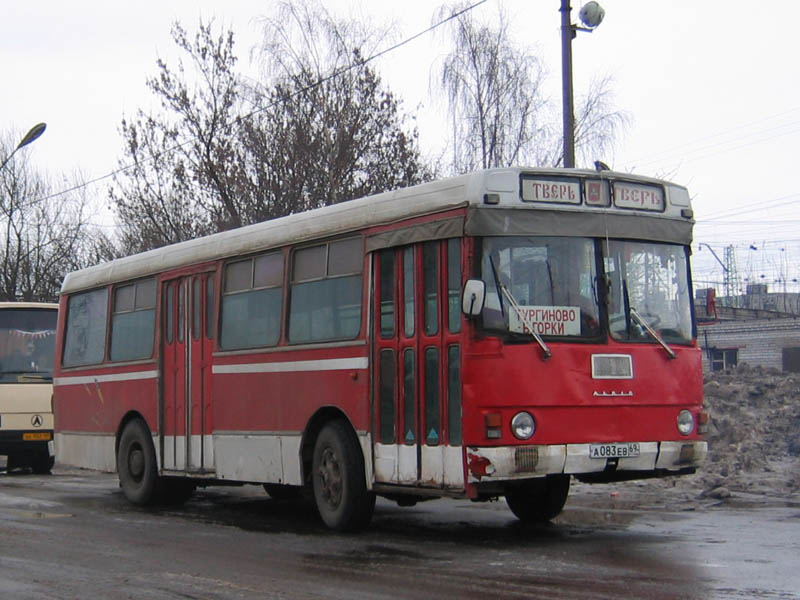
[652, 332]
[626, 303]
[504, 291]
[526, 322]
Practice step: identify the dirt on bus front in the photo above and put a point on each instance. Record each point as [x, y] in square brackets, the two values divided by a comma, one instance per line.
[754, 449]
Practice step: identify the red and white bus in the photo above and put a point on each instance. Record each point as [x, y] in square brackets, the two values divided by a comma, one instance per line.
[493, 334]
[27, 342]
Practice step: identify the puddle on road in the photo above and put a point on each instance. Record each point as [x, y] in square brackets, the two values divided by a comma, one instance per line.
[36, 514]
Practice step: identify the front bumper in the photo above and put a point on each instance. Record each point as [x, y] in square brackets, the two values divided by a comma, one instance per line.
[488, 464]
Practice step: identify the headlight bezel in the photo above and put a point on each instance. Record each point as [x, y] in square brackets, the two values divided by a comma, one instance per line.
[523, 425]
[685, 422]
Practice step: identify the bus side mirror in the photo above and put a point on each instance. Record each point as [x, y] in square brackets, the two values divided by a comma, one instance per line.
[473, 298]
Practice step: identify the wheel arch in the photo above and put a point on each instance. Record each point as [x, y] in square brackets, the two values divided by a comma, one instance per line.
[132, 415]
[318, 420]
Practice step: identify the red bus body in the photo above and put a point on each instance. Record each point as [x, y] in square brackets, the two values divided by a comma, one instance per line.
[350, 324]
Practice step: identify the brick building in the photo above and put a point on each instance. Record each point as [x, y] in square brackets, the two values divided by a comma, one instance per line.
[731, 335]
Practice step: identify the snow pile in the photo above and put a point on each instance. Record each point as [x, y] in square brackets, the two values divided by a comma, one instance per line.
[754, 431]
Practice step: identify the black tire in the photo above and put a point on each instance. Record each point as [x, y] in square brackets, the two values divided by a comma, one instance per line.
[338, 481]
[175, 491]
[41, 461]
[538, 500]
[14, 462]
[136, 463]
[279, 491]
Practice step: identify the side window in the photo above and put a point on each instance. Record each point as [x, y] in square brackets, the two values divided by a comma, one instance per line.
[454, 395]
[326, 292]
[181, 303]
[432, 428]
[252, 297]
[724, 358]
[386, 283]
[387, 394]
[133, 320]
[85, 339]
[169, 314]
[430, 288]
[197, 307]
[409, 293]
[210, 307]
[454, 285]
[409, 397]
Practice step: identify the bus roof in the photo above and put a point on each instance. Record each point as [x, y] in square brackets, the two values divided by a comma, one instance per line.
[337, 219]
[42, 305]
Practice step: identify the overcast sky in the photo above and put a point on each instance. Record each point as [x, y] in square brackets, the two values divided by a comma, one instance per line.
[711, 87]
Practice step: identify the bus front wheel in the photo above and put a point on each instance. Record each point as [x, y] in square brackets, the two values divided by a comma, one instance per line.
[338, 481]
[538, 500]
[136, 463]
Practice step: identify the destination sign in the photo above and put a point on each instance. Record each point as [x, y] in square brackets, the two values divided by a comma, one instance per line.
[639, 196]
[557, 191]
[546, 320]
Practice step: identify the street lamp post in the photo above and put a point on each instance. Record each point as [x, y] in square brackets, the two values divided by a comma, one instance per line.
[591, 15]
[31, 136]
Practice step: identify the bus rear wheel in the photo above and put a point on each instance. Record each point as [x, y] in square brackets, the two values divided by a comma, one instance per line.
[41, 461]
[538, 500]
[136, 463]
[339, 485]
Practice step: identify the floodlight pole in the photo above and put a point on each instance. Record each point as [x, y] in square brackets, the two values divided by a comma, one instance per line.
[567, 33]
[31, 136]
[591, 15]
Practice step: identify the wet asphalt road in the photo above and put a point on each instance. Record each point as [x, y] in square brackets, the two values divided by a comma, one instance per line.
[73, 535]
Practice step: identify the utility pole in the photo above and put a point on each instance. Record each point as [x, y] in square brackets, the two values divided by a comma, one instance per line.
[567, 34]
[731, 276]
[591, 15]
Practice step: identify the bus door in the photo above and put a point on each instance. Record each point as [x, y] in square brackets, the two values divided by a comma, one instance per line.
[417, 429]
[187, 335]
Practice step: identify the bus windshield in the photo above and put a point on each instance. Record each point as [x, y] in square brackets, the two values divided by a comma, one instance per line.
[650, 280]
[27, 342]
[552, 280]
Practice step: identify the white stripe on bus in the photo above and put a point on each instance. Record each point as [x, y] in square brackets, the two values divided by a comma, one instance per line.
[84, 379]
[330, 364]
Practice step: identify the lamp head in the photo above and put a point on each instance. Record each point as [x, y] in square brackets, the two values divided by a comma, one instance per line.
[32, 135]
[591, 14]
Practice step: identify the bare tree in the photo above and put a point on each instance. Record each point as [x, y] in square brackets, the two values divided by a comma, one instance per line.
[177, 173]
[597, 124]
[494, 93]
[43, 237]
[321, 128]
[499, 113]
[341, 127]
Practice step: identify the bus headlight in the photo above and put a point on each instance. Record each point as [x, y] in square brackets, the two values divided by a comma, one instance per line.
[685, 422]
[523, 426]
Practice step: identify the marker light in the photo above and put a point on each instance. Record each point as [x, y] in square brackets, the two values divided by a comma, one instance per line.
[685, 422]
[702, 422]
[523, 426]
[493, 422]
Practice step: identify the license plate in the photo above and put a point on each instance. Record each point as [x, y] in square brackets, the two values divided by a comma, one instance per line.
[35, 437]
[625, 450]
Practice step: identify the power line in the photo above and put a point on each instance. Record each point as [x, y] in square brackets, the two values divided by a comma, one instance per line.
[650, 158]
[748, 144]
[732, 212]
[252, 113]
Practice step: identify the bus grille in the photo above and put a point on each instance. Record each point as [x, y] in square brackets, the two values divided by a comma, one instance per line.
[525, 459]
